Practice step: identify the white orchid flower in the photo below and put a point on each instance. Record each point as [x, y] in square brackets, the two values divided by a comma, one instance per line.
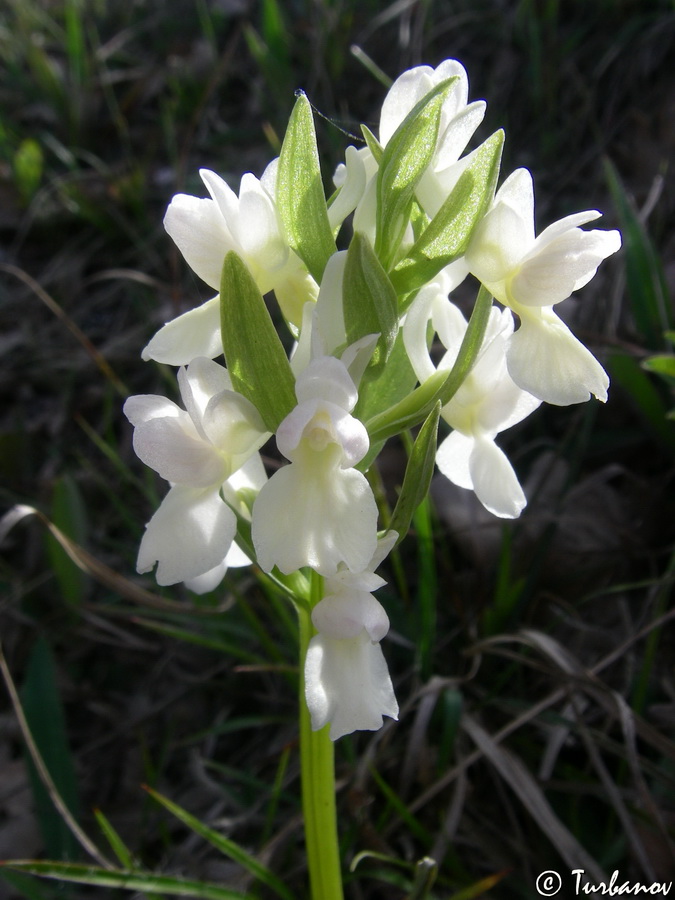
[487, 403]
[319, 511]
[205, 230]
[208, 447]
[347, 681]
[530, 275]
[356, 178]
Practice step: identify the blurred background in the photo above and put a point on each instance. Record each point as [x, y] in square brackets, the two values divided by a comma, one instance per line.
[533, 660]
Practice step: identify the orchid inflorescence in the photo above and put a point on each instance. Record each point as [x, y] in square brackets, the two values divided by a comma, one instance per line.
[362, 321]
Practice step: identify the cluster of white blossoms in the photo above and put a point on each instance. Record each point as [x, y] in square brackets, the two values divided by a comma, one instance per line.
[366, 323]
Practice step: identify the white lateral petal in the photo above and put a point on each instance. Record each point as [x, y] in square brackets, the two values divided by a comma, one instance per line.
[257, 226]
[404, 93]
[518, 193]
[172, 447]
[233, 424]
[415, 332]
[458, 134]
[201, 380]
[330, 316]
[327, 378]
[460, 92]
[497, 245]
[557, 267]
[200, 233]
[194, 333]
[353, 178]
[143, 407]
[224, 199]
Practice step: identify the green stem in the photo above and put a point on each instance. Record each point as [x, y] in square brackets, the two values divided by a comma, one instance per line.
[317, 771]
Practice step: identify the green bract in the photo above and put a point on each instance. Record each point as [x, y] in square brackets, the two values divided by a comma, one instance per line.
[405, 158]
[369, 300]
[446, 237]
[300, 195]
[416, 406]
[418, 474]
[255, 357]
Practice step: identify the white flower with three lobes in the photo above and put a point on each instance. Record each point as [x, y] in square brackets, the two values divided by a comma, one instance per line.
[530, 275]
[487, 402]
[318, 511]
[347, 682]
[206, 450]
[205, 230]
[356, 178]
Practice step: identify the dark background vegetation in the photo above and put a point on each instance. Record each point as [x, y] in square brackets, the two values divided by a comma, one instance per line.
[532, 660]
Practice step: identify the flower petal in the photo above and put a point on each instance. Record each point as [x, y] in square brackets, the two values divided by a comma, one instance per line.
[172, 447]
[257, 226]
[545, 359]
[452, 459]
[404, 93]
[352, 186]
[556, 267]
[201, 380]
[194, 333]
[318, 516]
[494, 480]
[209, 581]
[327, 378]
[458, 134]
[200, 233]
[496, 247]
[143, 407]
[347, 613]
[347, 683]
[188, 536]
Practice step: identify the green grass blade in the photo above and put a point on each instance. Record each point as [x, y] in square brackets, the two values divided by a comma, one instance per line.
[27, 887]
[418, 473]
[44, 714]
[645, 278]
[414, 825]
[146, 882]
[428, 587]
[225, 846]
[118, 846]
[626, 372]
[68, 514]
[228, 648]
